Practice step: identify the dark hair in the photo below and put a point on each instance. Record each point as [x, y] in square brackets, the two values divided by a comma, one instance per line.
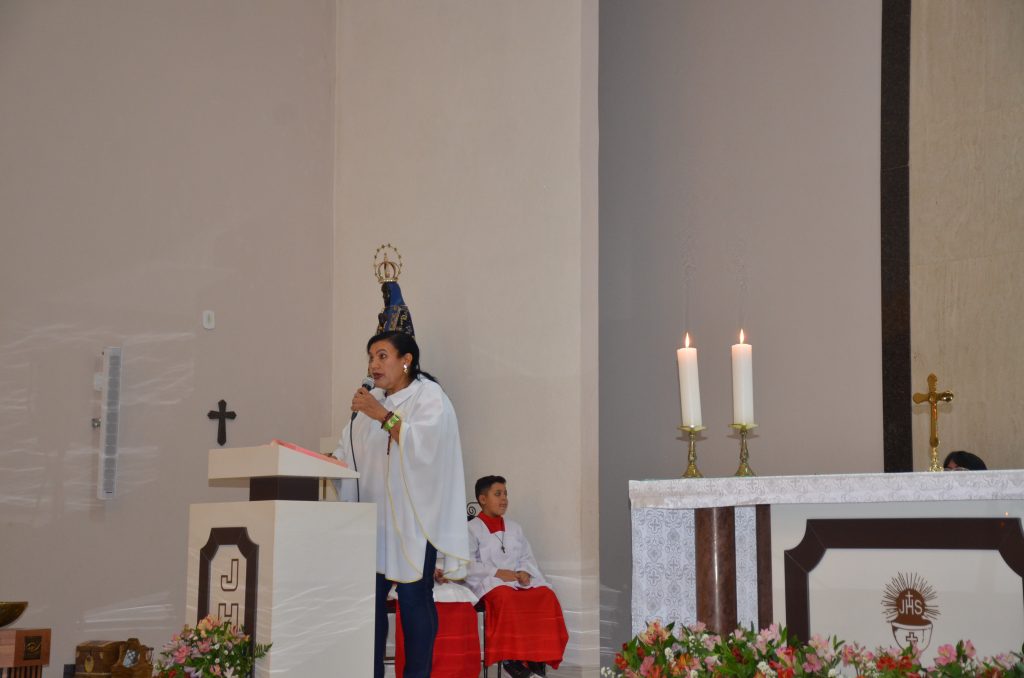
[485, 483]
[971, 462]
[404, 344]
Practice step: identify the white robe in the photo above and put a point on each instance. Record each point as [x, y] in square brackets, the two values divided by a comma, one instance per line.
[488, 558]
[419, 487]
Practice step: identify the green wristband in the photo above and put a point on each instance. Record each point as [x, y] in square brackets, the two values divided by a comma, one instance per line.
[391, 422]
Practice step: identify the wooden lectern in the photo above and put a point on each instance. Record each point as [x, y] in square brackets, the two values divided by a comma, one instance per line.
[291, 570]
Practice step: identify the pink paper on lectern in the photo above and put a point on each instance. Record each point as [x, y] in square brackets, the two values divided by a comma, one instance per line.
[311, 453]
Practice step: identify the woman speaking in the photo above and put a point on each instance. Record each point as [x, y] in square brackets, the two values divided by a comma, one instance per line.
[404, 442]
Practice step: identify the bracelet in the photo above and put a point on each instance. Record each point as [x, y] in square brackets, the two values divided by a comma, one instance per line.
[391, 422]
[384, 421]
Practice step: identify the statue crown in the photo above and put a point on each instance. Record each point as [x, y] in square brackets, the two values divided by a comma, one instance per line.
[387, 270]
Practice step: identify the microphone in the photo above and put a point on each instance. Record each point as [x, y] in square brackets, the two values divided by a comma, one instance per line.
[368, 385]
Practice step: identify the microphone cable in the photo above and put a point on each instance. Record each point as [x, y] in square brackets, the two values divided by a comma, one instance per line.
[368, 385]
[351, 446]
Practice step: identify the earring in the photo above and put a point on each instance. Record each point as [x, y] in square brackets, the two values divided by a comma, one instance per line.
[405, 368]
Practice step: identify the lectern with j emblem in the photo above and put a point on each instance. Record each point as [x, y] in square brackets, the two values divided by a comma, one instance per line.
[293, 571]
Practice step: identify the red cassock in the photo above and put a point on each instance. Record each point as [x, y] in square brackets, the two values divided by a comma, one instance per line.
[456, 647]
[525, 624]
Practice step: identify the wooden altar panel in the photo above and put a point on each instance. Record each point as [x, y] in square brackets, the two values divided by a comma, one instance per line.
[716, 564]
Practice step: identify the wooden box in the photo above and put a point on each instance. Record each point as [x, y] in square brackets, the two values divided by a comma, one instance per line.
[135, 661]
[96, 658]
[24, 647]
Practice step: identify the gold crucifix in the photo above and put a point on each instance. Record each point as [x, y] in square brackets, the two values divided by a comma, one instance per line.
[933, 398]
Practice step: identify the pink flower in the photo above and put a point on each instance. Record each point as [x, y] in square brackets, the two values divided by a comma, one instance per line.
[969, 649]
[947, 655]
[771, 633]
[786, 654]
[655, 633]
[647, 665]
[812, 663]
[698, 627]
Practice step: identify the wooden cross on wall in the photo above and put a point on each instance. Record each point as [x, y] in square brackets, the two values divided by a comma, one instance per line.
[933, 398]
[221, 414]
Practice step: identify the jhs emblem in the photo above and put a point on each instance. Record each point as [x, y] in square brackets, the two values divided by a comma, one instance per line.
[910, 608]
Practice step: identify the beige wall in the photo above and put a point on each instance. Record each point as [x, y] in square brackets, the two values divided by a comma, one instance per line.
[966, 230]
[467, 138]
[739, 187]
[156, 160]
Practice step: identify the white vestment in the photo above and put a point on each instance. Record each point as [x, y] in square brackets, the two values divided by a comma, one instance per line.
[487, 556]
[418, 485]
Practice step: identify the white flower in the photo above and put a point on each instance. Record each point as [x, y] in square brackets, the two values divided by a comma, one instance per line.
[669, 654]
[833, 672]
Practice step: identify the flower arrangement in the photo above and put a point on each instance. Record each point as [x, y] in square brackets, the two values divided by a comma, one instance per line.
[212, 648]
[693, 652]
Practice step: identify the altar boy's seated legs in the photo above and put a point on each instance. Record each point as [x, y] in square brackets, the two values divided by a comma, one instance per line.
[525, 625]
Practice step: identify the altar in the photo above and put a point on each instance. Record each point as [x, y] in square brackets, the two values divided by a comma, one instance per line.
[874, 558]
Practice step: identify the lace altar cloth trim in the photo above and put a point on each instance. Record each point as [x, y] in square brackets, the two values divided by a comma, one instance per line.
[689, 493]
[665, 566]
[746, 566]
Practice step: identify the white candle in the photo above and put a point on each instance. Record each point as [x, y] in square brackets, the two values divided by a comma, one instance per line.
[689, 384]
[742, 383]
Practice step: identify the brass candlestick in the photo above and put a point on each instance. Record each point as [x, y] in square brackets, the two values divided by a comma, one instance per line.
[691, 466]
[744, 471]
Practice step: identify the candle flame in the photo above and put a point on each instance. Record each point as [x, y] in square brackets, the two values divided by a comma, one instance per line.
[686, 342]
[741, 335]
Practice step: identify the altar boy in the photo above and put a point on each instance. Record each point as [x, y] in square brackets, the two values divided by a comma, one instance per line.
[525, 627]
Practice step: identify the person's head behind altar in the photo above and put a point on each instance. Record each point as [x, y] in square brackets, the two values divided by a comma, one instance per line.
[394, 361]
[963, 461]
[492, 495]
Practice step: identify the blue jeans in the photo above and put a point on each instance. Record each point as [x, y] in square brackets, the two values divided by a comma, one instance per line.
[419, 620]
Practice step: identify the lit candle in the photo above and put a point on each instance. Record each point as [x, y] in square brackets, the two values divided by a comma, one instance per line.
[689, 384]
[742, 383]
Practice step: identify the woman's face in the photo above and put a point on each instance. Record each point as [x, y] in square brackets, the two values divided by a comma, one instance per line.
[494, 502]
[387, 368]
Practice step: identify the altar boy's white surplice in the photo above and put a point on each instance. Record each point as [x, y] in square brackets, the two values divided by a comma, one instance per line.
[417, 483]
[485, 549]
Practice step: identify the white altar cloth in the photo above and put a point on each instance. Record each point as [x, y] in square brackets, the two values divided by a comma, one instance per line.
[691, 493]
